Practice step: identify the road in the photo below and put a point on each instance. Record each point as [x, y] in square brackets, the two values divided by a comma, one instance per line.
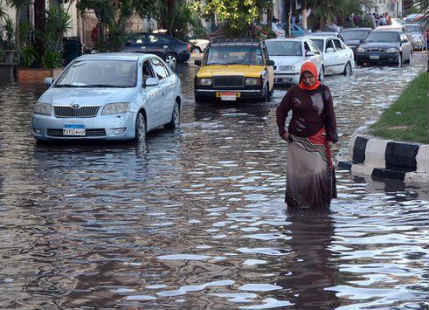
[195, 220]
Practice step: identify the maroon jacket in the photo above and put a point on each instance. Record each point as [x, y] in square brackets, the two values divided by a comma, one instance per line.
[311, 110]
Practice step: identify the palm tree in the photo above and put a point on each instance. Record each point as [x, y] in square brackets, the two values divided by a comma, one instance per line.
[18, 5]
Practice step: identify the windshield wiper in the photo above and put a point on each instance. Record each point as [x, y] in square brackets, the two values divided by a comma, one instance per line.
[105, 85]
[65, 85]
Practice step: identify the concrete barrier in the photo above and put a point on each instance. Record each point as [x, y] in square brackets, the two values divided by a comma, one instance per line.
[380, 158]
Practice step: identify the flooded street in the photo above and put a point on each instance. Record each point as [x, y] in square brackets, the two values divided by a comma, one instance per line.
[196, 219]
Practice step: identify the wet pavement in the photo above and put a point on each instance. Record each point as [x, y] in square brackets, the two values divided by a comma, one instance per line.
[195, 220]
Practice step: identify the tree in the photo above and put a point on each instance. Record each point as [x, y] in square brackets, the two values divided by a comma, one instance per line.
[18, 5]
[238, 17]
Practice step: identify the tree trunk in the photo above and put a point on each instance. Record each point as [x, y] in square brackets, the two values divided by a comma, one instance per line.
[171, 14]
[304, 15]
[17, 26]
[39, 25]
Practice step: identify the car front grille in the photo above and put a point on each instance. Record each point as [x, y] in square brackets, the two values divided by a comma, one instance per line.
[97, 132]
[70, 112]
[286, 68]
[375, 49]
[228, 81]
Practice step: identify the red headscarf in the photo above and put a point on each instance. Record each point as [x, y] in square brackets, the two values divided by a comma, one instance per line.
[309, 67]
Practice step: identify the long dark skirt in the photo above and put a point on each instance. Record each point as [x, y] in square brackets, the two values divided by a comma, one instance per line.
[310, 173]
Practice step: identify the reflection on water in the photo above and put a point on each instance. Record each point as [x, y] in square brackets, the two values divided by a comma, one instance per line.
[195, 220]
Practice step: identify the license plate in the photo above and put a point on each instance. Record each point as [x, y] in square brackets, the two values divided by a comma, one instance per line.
[74, 130]
[228, 95]
[374, 57]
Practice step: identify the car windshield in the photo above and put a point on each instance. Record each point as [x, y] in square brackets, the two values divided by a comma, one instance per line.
[319, 43]
[355, 35]
[378, 36]
[284, 48]
[234, 54]
[100, 73]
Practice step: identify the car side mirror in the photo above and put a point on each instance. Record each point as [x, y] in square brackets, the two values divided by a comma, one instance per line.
[330, 50]
[309, 54]
[48, 81]
[270, 62]
[152, 82]
[197, 62]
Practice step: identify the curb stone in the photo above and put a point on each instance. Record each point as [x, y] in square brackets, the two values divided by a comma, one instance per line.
[381, 158]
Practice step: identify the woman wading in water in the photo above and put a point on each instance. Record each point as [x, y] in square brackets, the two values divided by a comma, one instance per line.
[311, 131]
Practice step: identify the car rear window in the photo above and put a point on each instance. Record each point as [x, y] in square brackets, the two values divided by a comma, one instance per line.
[355, 35]
[284, 48]
[383, 36]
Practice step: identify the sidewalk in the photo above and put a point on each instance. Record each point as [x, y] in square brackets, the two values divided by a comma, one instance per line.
[379, 158]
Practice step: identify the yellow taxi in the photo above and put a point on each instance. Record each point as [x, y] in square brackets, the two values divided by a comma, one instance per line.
[234, 69]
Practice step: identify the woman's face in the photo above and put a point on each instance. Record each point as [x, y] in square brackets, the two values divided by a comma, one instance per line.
[308, 78]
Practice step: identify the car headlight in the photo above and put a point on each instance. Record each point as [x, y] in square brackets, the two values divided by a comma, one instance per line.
[205, 82]
[392, 50]
[360, 50]
[252, 81]
[42, 108]
[115, 108]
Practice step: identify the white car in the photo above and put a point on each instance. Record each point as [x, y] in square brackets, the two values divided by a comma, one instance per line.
[338, 58]
[109, 96]
[199, 45]
[289, 54]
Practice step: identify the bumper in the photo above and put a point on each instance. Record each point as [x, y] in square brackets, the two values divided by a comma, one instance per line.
[379, 58]
[228, 94]
[113, 127]
[286, 78]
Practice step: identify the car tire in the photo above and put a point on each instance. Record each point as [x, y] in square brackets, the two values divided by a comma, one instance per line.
[171, 59]
[348, 70]
[140, 129]
[270, 93]
[322, 74]
[175, 118]
[198, 99]
[265, 96]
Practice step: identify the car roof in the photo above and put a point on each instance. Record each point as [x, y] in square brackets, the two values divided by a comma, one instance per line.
[325, 37]
[323, 33]
[298, 39]
[115, 56]
[356, 29]
[389, 28]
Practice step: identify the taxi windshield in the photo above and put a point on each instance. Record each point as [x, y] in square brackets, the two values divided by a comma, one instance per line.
[234, 54]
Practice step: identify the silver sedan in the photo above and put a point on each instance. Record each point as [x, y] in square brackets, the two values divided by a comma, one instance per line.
[109, 96]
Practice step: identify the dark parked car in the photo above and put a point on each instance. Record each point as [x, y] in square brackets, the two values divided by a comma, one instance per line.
[384, 47]
[170, 49]
[353, 37]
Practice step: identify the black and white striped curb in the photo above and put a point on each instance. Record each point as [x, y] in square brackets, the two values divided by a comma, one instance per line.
[387, 159]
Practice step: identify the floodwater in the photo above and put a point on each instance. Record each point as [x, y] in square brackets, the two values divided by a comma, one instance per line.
[196, 220]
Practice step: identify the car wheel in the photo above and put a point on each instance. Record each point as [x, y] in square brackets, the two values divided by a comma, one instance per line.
[348, 69]
[198, 99]
[265, 96]
[175, 118]
[140, 134]
[270, 93]
[399, 60]
[322, 74]
[171, 59]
